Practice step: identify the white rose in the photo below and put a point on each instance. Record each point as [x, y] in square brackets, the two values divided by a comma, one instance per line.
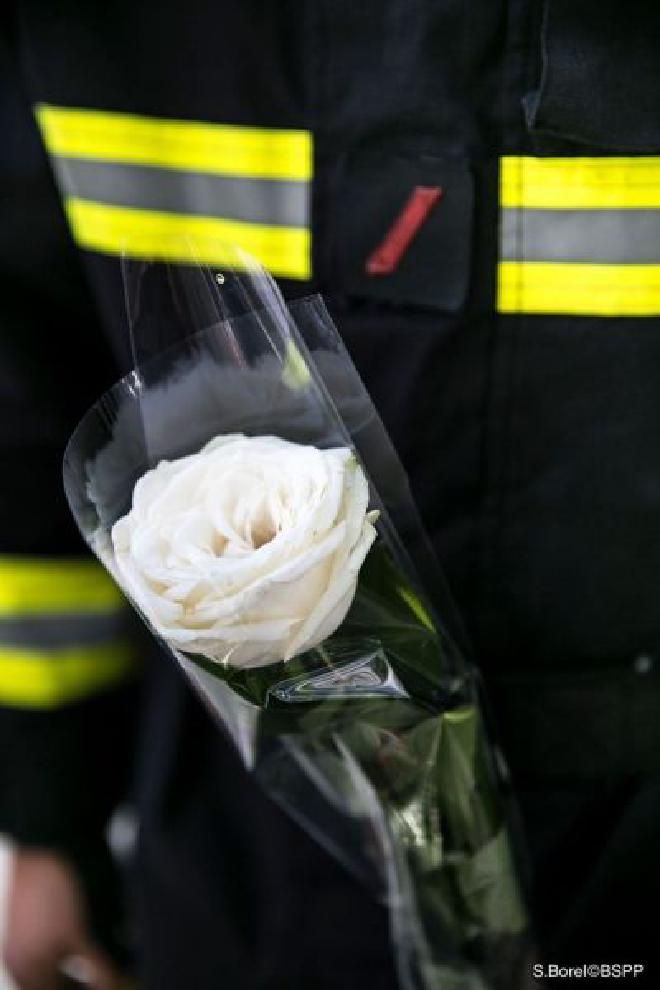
[247, 552]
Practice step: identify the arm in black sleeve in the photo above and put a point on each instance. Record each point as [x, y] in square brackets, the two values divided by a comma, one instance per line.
[67, 652]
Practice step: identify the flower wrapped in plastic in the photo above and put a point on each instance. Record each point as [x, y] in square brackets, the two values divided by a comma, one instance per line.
[242, 491]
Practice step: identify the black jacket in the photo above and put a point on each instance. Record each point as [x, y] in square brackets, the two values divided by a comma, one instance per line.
[513, 352]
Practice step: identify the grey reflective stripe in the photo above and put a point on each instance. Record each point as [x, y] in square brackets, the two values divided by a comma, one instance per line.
[56, 632]
[278, 202]
[598, 236]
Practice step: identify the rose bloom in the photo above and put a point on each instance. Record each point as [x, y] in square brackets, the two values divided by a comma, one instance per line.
[247, 552]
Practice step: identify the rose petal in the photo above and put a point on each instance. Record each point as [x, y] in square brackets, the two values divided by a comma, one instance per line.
[248, 551]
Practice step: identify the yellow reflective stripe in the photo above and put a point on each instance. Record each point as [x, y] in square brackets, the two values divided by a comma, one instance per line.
[30, 586]
[150, 234]
[579, 236]
[578, 289]
[580, 183]
[47, 679]
[222, 149]
[127, 176]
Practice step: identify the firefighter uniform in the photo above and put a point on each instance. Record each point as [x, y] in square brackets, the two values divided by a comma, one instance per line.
[510, 339]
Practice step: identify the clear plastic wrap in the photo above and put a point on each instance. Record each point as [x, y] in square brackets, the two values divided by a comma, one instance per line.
[374, 739]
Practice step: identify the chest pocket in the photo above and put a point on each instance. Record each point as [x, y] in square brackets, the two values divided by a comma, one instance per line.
[404, 229]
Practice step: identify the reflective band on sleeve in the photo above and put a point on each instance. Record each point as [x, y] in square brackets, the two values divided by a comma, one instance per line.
[31, 586]
[51, 632]
[48, 679]
[193, 193]
[176, 190]
[580, 236]
[148, 234]
[222, 149]
[63, 631]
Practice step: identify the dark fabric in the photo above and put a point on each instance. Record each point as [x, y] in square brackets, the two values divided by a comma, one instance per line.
[58, 772]
[531, 444]
[585, 756]
[541, 717]
[571, 535]
[61, 773]
[594, 847]
[53, 359]
[232, 893]
[600, 77]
